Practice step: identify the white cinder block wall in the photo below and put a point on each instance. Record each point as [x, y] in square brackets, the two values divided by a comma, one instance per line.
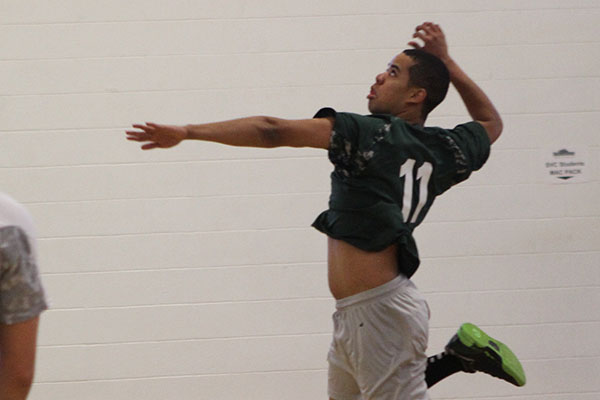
[193, 273]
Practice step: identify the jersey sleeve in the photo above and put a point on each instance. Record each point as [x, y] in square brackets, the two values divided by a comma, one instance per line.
[22, 296]
[343, 143]
[351, 141]
[475, 143]
[469, 145]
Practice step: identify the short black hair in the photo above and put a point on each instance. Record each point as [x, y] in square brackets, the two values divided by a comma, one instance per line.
[431, 74]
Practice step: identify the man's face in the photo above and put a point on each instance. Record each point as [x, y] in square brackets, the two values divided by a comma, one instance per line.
[391, 91]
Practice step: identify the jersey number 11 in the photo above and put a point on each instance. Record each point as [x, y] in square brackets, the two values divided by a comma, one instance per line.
[420, 179]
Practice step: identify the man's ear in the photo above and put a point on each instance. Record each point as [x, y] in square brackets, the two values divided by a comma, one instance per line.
[418, 96]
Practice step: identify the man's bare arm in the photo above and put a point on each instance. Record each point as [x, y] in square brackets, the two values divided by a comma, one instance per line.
[249, 132]
[478, 104]
[17, 358]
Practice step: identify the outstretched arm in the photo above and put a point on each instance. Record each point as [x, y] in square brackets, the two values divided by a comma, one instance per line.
[478, 104]
[249, 132]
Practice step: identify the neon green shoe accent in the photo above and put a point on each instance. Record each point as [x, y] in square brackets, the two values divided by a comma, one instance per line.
[487, 354]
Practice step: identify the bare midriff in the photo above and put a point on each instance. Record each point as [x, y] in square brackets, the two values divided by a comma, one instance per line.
[352, 270]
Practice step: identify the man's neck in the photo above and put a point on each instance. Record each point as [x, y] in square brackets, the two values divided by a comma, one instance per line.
[411, 117]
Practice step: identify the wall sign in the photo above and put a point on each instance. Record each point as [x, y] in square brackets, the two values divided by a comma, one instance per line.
[566, 165]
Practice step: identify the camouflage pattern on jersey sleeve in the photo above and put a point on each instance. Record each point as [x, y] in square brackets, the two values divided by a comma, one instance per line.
[21, 293]
[350, 154]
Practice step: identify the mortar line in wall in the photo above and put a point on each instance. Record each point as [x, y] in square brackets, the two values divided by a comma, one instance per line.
[322, 261]
[306, 16]
[305, 228]
[271, 337]
[196, 304]
[194, 197]
[263, 87]
[125, 127]
[305, 299]
[191, 340]
[512, 254]
[176, 162]
[179, 233]
[524, 324]
[509, 290]
[468, 186]
[183, 376]
[304, 334]
[295, 335]
[203, 268]
[298, 51]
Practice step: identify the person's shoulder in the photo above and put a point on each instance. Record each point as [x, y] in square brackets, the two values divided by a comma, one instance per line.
[10, 206]
[470, 126]
[14, 213]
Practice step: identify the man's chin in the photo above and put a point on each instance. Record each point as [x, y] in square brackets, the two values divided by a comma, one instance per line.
[372, 107]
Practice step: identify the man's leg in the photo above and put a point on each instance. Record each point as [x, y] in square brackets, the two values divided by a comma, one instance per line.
[471, 350]
[441, 366]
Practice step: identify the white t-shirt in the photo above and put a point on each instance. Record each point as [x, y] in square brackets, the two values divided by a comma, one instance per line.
[22, 295]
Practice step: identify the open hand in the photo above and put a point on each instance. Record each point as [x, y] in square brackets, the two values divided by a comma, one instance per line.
[162, 136]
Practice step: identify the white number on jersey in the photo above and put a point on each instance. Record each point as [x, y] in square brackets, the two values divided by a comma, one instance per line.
[423, 174]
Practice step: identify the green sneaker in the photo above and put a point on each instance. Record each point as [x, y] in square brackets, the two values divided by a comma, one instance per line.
[479, 352]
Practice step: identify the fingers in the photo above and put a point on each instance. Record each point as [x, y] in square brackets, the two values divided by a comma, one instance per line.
[144, 134]
[427, 31]
[414, 44]
[429, 27]
[147, 127]
[149, 146]
[138, 136]
[421, 35]
[431, 38]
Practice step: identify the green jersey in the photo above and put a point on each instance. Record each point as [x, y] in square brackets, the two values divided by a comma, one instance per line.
[387, 174]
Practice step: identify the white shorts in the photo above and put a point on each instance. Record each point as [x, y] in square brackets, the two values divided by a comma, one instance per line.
[379, 343]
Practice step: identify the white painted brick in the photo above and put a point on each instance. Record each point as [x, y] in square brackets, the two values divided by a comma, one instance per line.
[192, 72]
[113, 10]
[187, 322]
[538, 96]
[119, 110]
[191, 250]
[85, 111]
[187, 286]
[293, 34]
[185, 358]
[79, 147]
[196, 72]
[530, 131]
[476, 203]
[514, 61]
[140, 249]
[508, 272]
[173, 180]
[204, 214]
[295, 385]
[509, 237]
[513, 307]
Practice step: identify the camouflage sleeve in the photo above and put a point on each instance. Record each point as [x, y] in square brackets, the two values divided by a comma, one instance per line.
[21, 293]
[344, 142]
[474, 143]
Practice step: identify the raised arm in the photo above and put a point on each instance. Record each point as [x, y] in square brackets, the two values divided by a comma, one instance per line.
[248, 132]
[478, 104]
